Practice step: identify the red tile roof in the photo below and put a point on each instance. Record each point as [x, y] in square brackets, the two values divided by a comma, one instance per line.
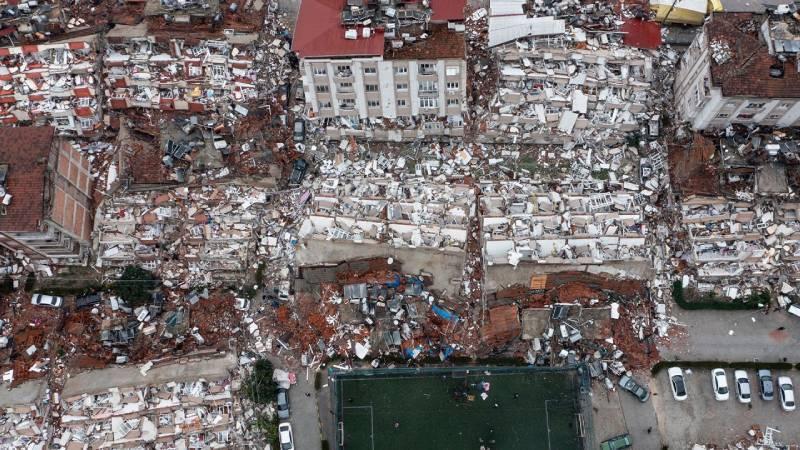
[447, 10]
[746, 73]
[25, 150]
[319, 33]
[641, 33]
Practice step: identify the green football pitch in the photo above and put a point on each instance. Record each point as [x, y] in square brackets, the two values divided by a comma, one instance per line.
[439, 410]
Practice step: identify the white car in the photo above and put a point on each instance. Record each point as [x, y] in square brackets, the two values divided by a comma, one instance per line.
[47, 300]
[678, 383]
[719, 382]
[743, 392]
[285, 436]
[786, 390]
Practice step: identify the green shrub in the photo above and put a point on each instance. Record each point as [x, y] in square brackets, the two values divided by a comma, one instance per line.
[135, 285]
[270, 430]
[30, 282]
[6, 286]
[710, 301]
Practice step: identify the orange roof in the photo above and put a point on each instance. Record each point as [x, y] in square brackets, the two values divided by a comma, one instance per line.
[319, 33]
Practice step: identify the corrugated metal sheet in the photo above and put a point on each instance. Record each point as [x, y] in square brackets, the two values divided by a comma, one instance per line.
[504, 29]
[352, 291]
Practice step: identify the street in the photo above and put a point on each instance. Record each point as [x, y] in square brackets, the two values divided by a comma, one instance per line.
[756, 336]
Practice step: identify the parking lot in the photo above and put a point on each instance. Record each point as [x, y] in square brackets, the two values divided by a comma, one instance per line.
[702, 419]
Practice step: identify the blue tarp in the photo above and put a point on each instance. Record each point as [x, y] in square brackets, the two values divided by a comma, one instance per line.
[444, 314]
[394, 283]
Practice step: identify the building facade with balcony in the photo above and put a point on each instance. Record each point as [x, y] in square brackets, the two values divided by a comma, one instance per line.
[397, 79]
[46, 207]
[742, 68]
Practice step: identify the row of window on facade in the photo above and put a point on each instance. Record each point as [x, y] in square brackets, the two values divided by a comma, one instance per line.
[753, 108]
[344, 70]
[424, 86]
[427, 102]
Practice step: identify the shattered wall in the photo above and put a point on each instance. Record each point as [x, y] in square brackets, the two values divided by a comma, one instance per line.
[51, 84]
[553, 91]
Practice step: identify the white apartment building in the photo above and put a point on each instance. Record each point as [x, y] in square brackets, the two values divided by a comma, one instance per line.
[742, 68]
[355, 76]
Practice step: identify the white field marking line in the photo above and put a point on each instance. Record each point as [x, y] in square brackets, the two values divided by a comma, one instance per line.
[547, 419]
[371, 423]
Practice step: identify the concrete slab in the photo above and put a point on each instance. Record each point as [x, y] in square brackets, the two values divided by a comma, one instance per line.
[25, 394]
[445, 266]
[500, 276]
[535, 322]
[101, 380]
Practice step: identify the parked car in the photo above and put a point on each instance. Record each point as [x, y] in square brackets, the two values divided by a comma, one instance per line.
[241, 304]
[621, 441]
[743, 392]
[786, 389]
[630, 385]
[88, 300]
[285, 436]
[765, 383]
[719, 382]
[678, 383]
[299, 131]
[283, 403]
[47, 300]
[299, 168]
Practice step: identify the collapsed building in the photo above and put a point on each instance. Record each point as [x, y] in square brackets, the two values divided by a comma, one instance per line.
[400, 64]
[187, 236]
[193, 413]
[177, 74]
[742, 68]
[558, 85]
[742, 226]
[522, 222]
[52, 84]
[413, 213]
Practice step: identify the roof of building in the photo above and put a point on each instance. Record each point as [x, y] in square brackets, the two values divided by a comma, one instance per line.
[447, 10]
[25, 150]
[442, 43]
[642, 34]
[746, 71]
[319, 33]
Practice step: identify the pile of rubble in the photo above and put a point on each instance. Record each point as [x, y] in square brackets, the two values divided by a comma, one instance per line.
[169, 415]
[211, 230]
[740, 226]
[52, 84]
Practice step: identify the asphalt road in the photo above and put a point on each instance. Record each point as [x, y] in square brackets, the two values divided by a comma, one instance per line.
[735, 336]
[304, 415]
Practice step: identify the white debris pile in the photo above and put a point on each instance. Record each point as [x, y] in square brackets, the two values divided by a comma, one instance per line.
[23, 426]
[211, 229]
[169, 415]
[720, 51]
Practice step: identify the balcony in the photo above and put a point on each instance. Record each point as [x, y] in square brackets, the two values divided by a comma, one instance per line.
[344, 73]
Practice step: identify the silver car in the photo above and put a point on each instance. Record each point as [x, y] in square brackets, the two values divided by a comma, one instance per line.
[283, 403]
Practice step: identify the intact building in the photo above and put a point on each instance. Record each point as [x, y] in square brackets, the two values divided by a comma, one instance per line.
[364, 61]
[46, 203]
[742, 68]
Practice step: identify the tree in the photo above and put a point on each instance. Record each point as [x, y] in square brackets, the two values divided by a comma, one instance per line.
[135, 285]
[259, 387]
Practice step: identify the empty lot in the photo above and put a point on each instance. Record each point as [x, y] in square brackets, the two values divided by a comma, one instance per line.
[702, 419]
